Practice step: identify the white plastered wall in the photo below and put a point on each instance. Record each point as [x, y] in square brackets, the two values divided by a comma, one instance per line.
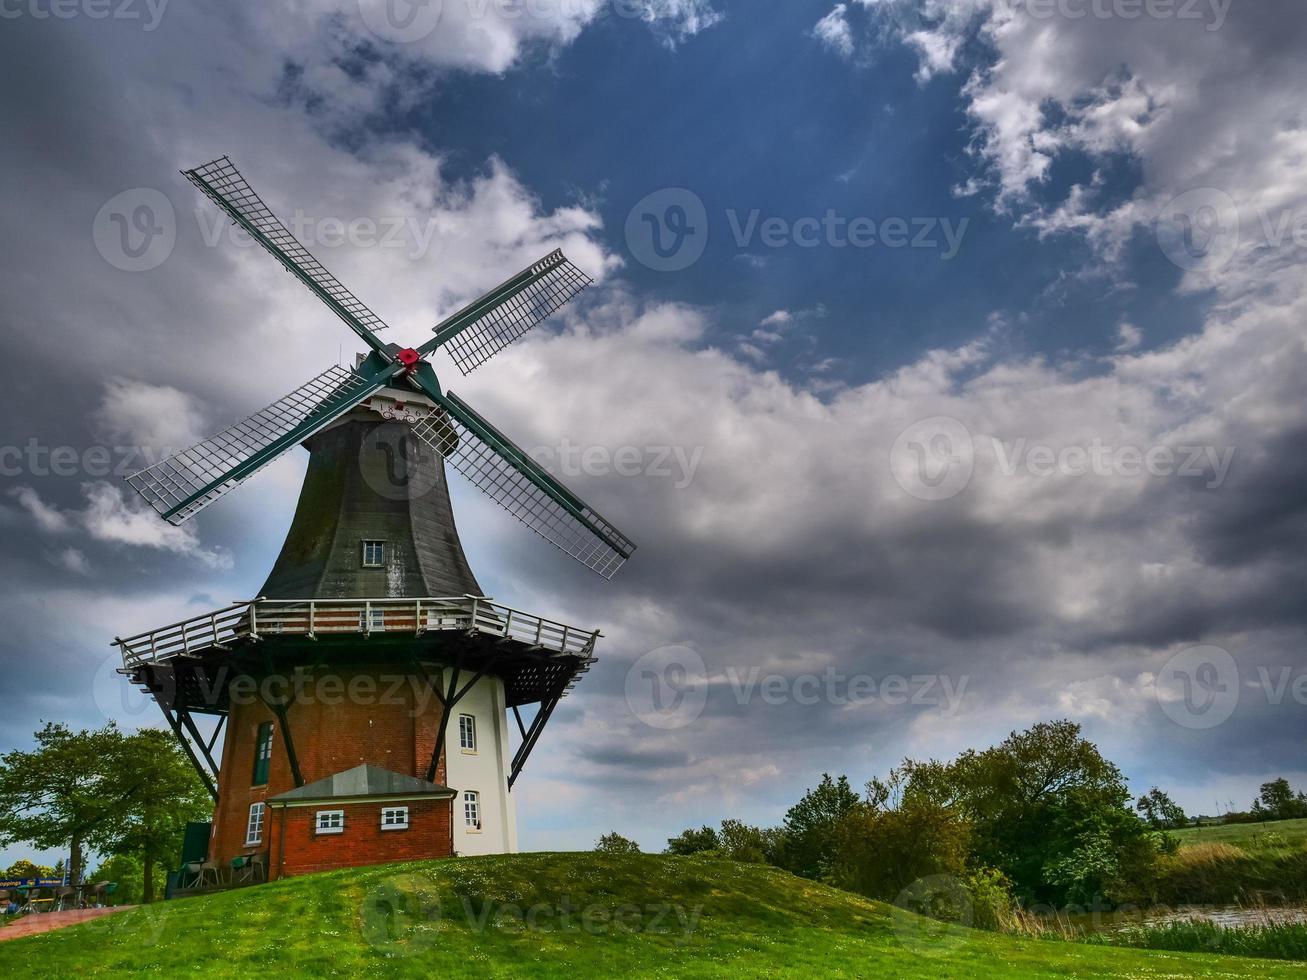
[484, 771]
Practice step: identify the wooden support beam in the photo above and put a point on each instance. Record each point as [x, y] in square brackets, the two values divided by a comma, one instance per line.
[279, 709]
[190, 753]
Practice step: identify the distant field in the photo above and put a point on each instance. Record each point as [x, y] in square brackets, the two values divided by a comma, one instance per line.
[1293, 832]
[573, 916]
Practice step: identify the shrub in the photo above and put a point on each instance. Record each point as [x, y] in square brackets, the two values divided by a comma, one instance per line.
[615, 843]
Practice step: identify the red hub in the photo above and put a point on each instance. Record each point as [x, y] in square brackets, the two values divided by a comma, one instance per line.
[409, 358]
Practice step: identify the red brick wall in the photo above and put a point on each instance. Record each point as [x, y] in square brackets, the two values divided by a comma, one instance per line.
[328, 738]
[295, 849]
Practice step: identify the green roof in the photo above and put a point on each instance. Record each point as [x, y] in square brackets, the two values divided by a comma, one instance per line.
[364, 780]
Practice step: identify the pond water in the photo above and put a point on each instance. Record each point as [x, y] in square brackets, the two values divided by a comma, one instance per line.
[1224, 915]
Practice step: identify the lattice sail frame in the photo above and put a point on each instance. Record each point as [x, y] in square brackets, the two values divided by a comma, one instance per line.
[180, 486]
[171, 481]
[594, 542]
[558, 282]
[236, 197]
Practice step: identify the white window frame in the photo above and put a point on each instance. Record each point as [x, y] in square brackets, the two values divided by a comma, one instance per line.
[398, 815]
[254, 824]
[369, 543]
[472, 811]
[378, 620]
[467, 734]
[334, 822]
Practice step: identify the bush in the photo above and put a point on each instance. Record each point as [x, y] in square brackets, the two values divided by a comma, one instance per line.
[615, 843]
[878, 852]
[693, 841]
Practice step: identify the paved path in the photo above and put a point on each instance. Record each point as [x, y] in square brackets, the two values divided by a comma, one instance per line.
[30, 925]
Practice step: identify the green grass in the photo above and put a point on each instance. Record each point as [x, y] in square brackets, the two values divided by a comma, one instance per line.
[641, 915]
[1261, 863]
[1281, 941]
[1243, 835]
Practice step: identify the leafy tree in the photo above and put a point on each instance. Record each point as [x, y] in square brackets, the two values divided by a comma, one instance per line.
[163, 794]
[753, 845]
[63, 792]
[615, 843]
[891, 840]
[1161, 812]
[1044, 807]
[1277, 801]
[23, 868]
[126, 870]
[693, 841]
[810, 826]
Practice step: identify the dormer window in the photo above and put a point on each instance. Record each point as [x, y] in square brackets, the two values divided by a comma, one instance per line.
[374, 554]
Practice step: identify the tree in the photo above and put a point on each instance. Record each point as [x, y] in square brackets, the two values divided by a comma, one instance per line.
[126, 871]
[615, 843]
[1161, 812]
[1045, 808]
[163, 795]
[752, 845]
[1277, 801]
[892, 840]
[810, 826]
[63, 792]
[693, 841]
[23, 868]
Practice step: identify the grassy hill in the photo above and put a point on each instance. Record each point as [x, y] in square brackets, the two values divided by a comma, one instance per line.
[574, 915]
[1292, 832]
[1249, 863]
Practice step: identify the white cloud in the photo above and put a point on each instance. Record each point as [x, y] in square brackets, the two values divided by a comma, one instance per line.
[778, 317]
[1128, 336]
[110, 518]
[72, 560]
[47, 518]
[834, 31]
[158, 416]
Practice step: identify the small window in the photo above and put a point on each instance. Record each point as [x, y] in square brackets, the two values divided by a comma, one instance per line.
[372, 619]
[254, 827]
[472, 810]
[262, 754]
[330, 822]
[467, 733]
[374, 554]
[394, 818]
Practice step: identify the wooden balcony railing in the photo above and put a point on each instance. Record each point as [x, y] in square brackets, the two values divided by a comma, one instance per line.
[319, 617]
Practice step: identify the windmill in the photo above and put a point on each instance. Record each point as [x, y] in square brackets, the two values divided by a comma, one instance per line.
[371, 591]
[183, 484]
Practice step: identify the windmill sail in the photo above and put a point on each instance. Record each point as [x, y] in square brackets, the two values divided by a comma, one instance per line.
[224, 185]
[181, 485]
[483, 328]
[522, 487]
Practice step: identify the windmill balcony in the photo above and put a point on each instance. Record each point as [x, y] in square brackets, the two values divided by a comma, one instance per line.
[259, 618]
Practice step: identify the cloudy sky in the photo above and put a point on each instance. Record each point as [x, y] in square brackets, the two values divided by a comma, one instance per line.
[945, 360]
